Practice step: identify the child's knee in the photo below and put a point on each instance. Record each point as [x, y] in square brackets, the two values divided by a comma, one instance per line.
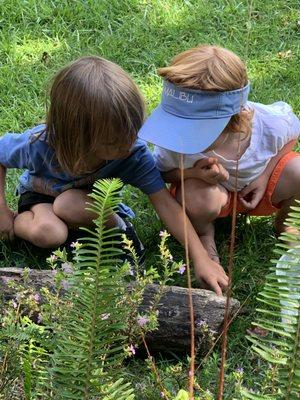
[70, 204]
[293, 175]
[47, 234]
[202, 199]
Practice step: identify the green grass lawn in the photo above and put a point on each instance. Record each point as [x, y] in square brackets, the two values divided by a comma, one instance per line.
[39, 36]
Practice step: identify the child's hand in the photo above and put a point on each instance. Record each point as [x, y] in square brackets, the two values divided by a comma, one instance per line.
[212, 275]
[6, 223]
[252, 194]
[210, 171]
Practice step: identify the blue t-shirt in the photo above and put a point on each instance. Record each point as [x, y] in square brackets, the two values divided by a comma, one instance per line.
[30, 151]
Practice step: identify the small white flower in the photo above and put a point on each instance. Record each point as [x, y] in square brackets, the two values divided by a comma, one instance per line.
[142, 320]
[53, 258]
[67, 268]
[131, 349]
[182, 269]
[37, 298]
[76, 245]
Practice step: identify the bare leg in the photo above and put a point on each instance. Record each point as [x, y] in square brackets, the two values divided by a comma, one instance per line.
[41, 226]
[204, 203]
[70, 206]
[46, 225]
[286, 192]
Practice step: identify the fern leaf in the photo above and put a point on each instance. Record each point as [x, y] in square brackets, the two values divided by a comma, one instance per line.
[280, 313]
[119, 391]
[91, 345]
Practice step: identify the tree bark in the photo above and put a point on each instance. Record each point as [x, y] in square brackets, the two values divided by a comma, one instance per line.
[173, 332]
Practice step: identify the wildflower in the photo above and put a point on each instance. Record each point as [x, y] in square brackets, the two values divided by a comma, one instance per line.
[201, 323]
[162, 233]
[19, 297]
[240, 370]
[170, 257]
[54, 272]
[65, 284]
[53, 258]
[39, 318]
[162, 394]
[105, 316]
[67, 268]
[142, 320]
[182, 269]
[76, 245]
[131, 349]
[37, 297]
[15, 304]
[6, 279]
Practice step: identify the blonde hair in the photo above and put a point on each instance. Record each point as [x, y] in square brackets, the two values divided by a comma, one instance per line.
[213, 68]
[93, 103]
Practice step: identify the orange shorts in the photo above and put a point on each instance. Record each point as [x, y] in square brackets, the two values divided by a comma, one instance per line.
[265, 206]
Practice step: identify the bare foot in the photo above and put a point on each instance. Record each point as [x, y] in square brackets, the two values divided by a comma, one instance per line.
[208, 241]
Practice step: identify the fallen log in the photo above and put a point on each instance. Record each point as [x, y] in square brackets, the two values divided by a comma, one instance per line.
[173, 332]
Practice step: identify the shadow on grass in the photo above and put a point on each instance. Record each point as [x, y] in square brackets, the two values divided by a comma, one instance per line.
[22, 254]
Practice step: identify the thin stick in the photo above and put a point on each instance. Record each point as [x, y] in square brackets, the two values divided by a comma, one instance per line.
[153, 367]
[152, 364]
[190, 296]
[232, 240]
[221, 334]
[226, 316]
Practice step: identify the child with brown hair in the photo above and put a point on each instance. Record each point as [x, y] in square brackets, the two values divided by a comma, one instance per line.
[205, 120]
[90, 133]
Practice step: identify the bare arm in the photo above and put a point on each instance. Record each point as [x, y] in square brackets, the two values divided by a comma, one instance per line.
[172, 215]
[6, 215]
[206, 169]
[252, 194]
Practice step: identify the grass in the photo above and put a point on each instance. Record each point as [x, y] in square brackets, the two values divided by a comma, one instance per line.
[39, 36]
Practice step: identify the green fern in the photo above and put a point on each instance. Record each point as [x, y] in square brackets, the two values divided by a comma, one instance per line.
[26, 354]
[279, 315]
[33, 359]
[90, 348]
[119, 391]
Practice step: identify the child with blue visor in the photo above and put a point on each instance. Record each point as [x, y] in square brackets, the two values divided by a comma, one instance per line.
[205, 116]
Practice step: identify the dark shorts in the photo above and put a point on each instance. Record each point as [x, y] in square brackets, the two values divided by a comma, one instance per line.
[29, 199]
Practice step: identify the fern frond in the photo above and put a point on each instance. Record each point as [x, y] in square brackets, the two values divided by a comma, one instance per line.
[91, 345]
[280, 313]
[118, 391]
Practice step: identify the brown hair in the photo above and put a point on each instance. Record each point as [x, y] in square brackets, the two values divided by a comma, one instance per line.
[214, 68]
[93, 103]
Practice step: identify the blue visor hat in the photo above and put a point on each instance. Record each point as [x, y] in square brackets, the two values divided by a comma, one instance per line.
[188, 121]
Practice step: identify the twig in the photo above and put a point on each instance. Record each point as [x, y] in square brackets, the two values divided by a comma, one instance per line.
[221, 334]
[153, 367]
[191, 306]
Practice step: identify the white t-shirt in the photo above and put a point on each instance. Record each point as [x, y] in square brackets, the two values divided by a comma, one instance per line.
[273, 126]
